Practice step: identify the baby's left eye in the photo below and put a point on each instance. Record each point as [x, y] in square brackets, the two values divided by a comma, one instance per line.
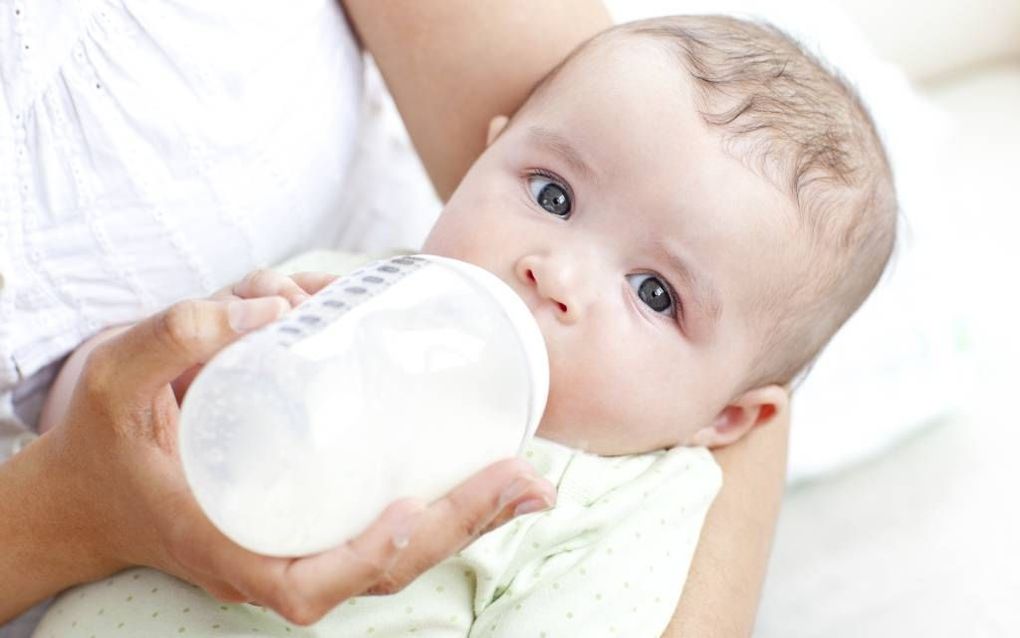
[550, 195]
[653, 292]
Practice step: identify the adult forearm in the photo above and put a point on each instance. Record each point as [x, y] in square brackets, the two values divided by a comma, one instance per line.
[43, 546]
[724, 586]
[453, 65]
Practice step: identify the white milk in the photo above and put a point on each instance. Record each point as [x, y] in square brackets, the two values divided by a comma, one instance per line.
[400, 379]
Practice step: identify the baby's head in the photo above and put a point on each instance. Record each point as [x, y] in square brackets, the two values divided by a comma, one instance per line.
[691, 207]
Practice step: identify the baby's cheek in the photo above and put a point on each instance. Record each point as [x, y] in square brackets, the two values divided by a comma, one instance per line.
[587, 404]
[626, 395]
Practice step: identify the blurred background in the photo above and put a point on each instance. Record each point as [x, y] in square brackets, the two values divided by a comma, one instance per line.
[902, 510]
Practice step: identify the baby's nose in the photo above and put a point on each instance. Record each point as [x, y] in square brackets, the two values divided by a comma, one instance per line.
[531, 276]
[553, 283]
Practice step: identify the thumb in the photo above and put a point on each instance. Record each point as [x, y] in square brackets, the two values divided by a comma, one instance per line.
[157, 350]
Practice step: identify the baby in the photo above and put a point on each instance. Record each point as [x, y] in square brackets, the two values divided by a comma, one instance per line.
[691, 207]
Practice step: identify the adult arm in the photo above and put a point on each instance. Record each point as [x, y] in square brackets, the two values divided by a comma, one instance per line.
[103, 489]
[453, 65]
[45, 543]
[721, 596]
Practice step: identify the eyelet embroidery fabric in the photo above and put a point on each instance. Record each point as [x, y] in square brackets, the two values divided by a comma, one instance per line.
[151, 152]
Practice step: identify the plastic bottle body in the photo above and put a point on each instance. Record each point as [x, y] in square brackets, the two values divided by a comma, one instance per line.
[399, 380]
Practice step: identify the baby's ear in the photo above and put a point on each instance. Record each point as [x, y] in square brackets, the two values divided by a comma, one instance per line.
[496, 126]
[753, 408]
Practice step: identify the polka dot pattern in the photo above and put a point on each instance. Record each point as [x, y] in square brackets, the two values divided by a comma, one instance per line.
[610, 560]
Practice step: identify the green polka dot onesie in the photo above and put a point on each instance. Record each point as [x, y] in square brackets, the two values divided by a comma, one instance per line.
[609, 560]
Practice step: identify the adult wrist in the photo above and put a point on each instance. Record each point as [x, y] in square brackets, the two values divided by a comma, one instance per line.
[47, 543]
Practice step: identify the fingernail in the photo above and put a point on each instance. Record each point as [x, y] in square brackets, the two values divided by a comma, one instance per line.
[531, 505]
[247, 314]
[515, 490]
[240, 316]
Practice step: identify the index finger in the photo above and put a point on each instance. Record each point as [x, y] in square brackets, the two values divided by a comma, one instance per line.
[407, 540]
[154, 352]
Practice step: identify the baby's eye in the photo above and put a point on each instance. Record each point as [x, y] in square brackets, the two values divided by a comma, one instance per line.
[550, 195]
[653, 292]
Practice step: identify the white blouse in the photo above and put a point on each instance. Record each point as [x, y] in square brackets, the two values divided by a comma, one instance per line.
[156, 150]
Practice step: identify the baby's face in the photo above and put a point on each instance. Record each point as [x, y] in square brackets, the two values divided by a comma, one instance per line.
[635, 240]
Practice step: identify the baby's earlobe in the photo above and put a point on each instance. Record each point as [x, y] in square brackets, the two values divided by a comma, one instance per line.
[702, 438]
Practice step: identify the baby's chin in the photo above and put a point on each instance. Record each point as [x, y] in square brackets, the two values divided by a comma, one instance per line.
[430, 248]
[436, 244]
[556, 425]
[563, 436]
[438, 249]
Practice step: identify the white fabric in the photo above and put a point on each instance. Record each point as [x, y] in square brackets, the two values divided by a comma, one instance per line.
[610, 560]
[151, 151]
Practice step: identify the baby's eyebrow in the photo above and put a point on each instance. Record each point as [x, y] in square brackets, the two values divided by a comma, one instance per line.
[561, 146]
[706, 296]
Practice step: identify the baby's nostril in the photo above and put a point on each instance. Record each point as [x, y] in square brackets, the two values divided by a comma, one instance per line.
[531, 275]
[563, 306]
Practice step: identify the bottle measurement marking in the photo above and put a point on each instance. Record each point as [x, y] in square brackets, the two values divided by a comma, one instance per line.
[340, 297]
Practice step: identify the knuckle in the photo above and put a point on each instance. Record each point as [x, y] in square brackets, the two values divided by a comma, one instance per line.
[289, 602]
[180, 326]
[373, 561]
[470, 521]
[262, 280]
[97, 375]
[298, 611]
[378, 565]
[408, 566]
[469, 526]
[389, 584]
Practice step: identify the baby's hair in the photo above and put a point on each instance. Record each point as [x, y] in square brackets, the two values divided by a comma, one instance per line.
[799, 124]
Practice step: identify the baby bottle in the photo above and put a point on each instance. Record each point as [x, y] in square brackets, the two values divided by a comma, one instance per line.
[398, 380]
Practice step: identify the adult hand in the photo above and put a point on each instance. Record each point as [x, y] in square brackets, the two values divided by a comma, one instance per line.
[119, 443]
[295, 289]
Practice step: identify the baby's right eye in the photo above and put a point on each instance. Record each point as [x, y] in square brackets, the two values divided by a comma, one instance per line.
[550, 194]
